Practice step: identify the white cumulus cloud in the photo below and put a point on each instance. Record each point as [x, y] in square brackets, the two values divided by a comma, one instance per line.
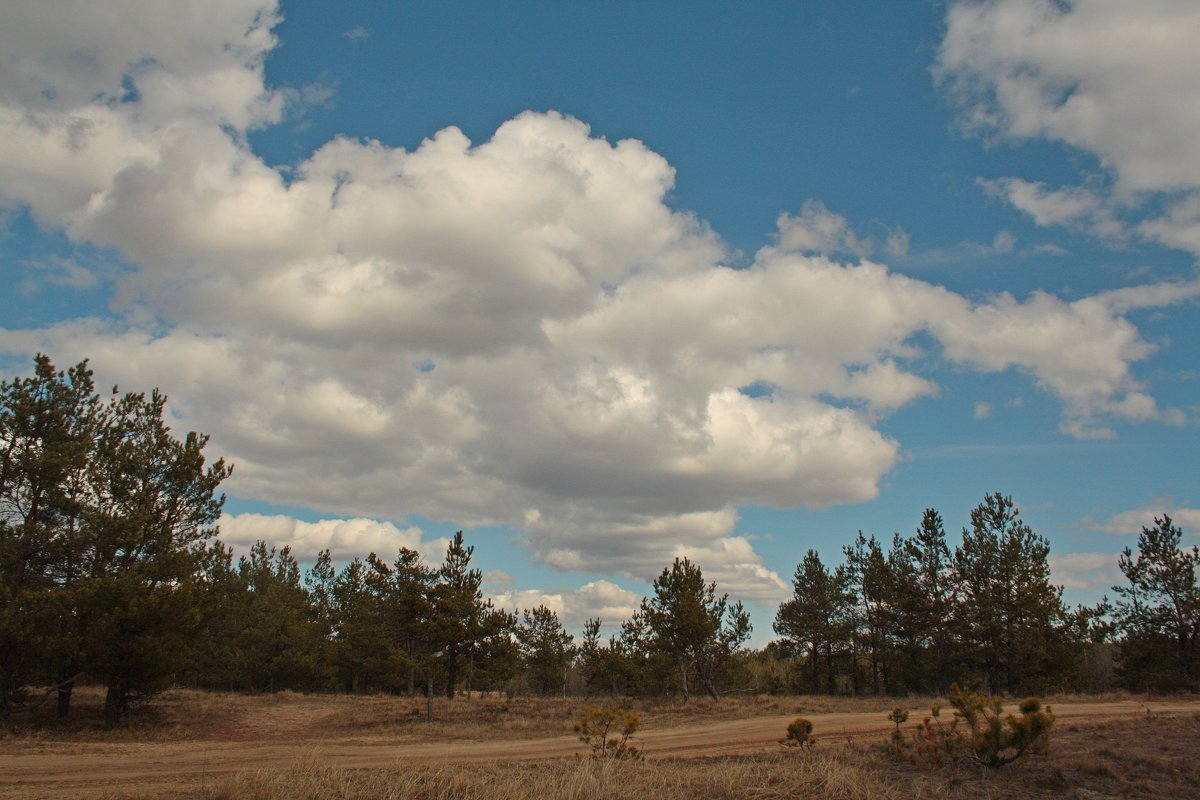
[345, 539]
[519, 331]
[1112, 78]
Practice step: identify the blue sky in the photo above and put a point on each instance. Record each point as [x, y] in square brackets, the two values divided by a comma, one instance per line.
[610, 283]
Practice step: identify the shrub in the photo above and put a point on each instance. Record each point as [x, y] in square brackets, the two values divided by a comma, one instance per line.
[996, 738]
[607, 731]
[931, 744]
[935, 743]
[799, 733]
[898, 747]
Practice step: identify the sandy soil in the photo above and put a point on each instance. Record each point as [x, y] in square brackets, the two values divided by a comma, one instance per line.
[89, 769]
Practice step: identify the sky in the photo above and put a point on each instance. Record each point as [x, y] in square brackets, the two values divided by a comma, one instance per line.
[607, 284]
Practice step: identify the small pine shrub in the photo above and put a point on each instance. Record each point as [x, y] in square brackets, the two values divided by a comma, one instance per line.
[935, 743]
[997, 739]
[898, 746]
[608, 731]
[799, 734]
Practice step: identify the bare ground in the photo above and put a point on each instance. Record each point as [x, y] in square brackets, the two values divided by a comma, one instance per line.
[195, 744]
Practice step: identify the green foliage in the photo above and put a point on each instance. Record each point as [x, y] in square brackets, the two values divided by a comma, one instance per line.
[818, 619]
[687, 622]
[924, 597]
[464, 628]
[546, 650]
[996, 738]
[608, 731]
[873, 582]
[103, 519]
[1011, 619]
[799, 733]
[931, 743]
[48, 424]
[259, 627]
[1158, 611]
[917, 616]
[992, 739]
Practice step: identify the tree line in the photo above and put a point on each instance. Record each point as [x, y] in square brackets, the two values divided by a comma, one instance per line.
[919, 616]
[111, 572]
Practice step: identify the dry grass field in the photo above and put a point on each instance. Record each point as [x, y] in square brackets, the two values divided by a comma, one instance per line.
[211, 746]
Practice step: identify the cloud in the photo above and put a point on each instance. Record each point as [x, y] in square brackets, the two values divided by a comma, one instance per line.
[896, 244]
[1079, 74]
[1004, 242]
[598, 599]
[65, 273]
[1109, 78]
[1074, 207]
[983, 410]
[519, 331]
[819, 231]
[1085, 571]
[1133, 520]
[345, 539]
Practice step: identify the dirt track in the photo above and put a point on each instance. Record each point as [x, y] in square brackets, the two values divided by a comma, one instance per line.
[83, 769]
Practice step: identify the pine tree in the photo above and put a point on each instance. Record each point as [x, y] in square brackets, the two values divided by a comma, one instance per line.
[465, 629]
[547, 650]
[872, 583]
[152, 507]
[279, 645]
[688, 622]
[818, 618]
[1012, 617]
[926, 605]
[402, 590]
[1159, 610]
[48, 424]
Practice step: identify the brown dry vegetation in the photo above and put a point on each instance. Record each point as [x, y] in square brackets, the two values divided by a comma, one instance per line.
[185, 714]
[344, 747]
[1141, 757]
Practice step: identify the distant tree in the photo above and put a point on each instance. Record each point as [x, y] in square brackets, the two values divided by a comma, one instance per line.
[606, 667]
[546, 649]
[319, 581]
[281, 642]
[688, 622]
[590, 656]
[1013, 619]
[464, 628]
[926, 605]
[1158, 611]
[402, 590]
[215, 662]
[362, 649]
[818, 618]
[872, 582]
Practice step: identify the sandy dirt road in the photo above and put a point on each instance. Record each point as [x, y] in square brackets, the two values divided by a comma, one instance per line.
[88, 769]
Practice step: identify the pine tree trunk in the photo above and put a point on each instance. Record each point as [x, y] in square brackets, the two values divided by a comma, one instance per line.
[709, 685]
[451, 676]
[64, 698]
[114, 705]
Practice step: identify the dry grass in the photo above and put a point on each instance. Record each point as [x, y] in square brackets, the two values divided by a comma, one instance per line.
[186, 714]
[1150, 758]
[823, 775]
[1075, 771]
